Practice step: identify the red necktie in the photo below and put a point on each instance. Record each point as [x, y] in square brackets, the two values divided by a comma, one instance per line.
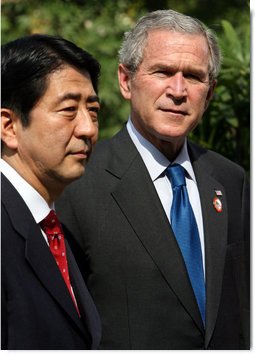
[51, 226]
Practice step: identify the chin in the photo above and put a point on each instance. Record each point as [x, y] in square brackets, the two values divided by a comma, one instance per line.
[74, 175]
[78, 174]
[170, 134]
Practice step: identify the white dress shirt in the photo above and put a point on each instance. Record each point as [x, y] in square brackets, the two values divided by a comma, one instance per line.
[34, 201]
[156, 164]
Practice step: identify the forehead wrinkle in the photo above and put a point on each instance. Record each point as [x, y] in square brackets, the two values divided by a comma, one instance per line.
[175, 43]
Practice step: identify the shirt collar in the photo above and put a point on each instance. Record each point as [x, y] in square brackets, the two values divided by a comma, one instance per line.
[155, 161]
[184, 160]
[34, 201]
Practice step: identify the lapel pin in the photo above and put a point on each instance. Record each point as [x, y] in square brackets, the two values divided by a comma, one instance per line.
[217, 204]
[218, 192]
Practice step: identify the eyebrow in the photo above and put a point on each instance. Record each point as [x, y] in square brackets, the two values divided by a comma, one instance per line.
[174, 67]
[72, 96]
[93, 98]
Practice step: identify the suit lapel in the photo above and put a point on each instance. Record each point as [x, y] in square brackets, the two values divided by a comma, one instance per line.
[46, 269]
[37, 253]
[86, 305]
[151, 224]
[215, 232]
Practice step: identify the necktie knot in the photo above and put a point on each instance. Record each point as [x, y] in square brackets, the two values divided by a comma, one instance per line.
[52, 228]
[176, 175]
[50, 224]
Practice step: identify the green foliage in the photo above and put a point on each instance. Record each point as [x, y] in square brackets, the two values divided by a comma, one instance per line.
[98, 26]
[226, 125]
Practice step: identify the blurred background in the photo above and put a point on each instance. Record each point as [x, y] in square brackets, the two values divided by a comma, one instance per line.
[98, 26]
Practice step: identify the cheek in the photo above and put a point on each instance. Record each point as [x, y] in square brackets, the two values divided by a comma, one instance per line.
[145, 90]
[198, 100]
[143, 99]
[94, 139]
[52, 147]
[58, 136]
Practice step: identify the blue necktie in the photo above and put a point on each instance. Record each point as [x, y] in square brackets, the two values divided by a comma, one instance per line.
[186, 232]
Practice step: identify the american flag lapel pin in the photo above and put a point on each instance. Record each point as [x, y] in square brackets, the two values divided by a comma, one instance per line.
[218, 192]
[217, 204]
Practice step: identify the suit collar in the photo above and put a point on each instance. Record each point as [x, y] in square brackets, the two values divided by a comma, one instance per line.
[155, 161]
[123, 153]
[37, 205]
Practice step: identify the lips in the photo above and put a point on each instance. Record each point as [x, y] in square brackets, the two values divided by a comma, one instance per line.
[176, 112]
[81, 154]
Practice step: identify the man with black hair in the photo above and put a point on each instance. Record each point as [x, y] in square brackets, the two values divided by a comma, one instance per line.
[48, 128]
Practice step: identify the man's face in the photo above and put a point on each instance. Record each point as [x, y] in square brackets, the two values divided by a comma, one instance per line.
[55, 146]
[170, 90]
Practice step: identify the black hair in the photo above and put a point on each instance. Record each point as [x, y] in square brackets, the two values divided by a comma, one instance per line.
[26, 63]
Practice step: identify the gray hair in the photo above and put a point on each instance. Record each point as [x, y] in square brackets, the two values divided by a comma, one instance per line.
[131, 51]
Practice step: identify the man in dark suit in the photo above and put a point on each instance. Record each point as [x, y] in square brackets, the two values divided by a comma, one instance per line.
[141, 279]
[48, 127]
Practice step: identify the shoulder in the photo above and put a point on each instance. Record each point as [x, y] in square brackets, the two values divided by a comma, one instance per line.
[114, 146]
[109, 160]
[214, 162]
[110, 157]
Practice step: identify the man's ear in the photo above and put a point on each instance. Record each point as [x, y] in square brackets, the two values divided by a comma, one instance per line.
[210, 93]
[8, 128]
[124, 81]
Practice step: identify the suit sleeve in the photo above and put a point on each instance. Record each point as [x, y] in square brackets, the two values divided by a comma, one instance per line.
[4, 319]
[4, 325]
[246, 295]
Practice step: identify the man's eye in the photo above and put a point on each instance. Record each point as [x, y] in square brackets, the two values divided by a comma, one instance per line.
[69, 109]
[161, 73]
[193, 77]
[93, 109]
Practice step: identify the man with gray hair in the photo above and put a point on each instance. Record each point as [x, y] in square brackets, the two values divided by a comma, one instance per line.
[167, 244]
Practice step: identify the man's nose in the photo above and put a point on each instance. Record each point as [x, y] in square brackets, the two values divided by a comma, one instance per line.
[177, 88]
[86, 125]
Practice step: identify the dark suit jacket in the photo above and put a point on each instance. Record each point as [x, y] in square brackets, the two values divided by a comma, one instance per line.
[37, 310]
[136, 271]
